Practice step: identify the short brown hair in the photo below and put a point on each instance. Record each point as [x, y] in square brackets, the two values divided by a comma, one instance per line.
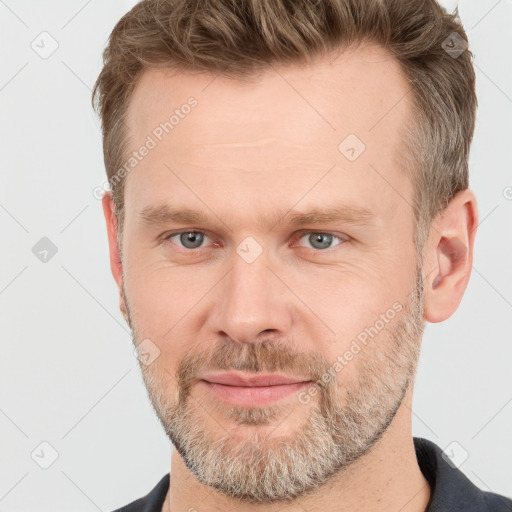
[238, 38]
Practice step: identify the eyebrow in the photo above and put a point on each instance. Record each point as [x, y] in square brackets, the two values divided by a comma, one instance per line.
[354, 215]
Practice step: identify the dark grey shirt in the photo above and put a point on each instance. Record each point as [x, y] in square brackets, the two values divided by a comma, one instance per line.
[451, 490]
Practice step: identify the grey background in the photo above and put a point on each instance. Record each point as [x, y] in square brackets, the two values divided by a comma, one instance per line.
[68, 375]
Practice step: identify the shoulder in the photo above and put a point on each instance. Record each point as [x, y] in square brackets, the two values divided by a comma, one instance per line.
[497, 502]
[151, 502]
[450, 487]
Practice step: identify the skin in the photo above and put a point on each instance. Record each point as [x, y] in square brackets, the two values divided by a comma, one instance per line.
[251, 148]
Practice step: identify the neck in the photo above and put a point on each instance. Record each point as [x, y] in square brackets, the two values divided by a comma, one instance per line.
[386, 479]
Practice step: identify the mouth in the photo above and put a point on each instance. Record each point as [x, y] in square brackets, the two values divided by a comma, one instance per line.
[252, 390]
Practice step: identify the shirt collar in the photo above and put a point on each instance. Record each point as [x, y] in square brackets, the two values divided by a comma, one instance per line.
[450, 488]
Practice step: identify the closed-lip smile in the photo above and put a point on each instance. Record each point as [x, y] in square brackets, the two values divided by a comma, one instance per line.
[251, 389]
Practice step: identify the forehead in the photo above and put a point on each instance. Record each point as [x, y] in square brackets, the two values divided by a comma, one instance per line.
[280, 130]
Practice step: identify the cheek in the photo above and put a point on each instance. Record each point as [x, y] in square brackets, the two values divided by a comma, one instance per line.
[353, 294]
[168, 307]
[360, 305]
[160, 380]
[148, 275]
[335, 302]
[154, 301]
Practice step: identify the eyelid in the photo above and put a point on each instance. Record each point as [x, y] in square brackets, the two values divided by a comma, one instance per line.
[167, 237]
[342, 238]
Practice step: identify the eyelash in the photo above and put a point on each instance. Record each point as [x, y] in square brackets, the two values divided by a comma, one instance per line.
[167, 238]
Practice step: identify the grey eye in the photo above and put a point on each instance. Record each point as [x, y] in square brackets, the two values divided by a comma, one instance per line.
[191, 239]
[319, 240]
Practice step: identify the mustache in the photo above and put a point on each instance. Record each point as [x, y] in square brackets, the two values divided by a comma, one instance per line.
[266, 356]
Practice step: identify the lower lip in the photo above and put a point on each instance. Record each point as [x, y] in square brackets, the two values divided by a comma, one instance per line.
[255, 395]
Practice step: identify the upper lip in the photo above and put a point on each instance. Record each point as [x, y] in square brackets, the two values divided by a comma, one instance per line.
[237, 379]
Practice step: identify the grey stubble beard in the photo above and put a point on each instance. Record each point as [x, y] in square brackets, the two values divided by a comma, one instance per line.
[266, 467]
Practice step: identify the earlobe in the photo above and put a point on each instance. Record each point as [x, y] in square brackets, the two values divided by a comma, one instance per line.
[449, 255]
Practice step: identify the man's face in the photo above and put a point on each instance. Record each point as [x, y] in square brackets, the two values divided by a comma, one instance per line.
[247, 292]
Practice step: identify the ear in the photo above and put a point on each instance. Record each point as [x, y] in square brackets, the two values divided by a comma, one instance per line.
[115, 257]
[449, 256]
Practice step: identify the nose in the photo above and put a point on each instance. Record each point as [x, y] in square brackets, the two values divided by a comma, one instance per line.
[251, 302]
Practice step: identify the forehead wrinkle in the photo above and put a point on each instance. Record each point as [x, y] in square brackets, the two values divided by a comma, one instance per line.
[267, 141]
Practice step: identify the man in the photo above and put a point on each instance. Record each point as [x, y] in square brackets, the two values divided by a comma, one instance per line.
[289, 206]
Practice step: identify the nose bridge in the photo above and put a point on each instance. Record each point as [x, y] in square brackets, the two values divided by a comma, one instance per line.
[251, 298]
